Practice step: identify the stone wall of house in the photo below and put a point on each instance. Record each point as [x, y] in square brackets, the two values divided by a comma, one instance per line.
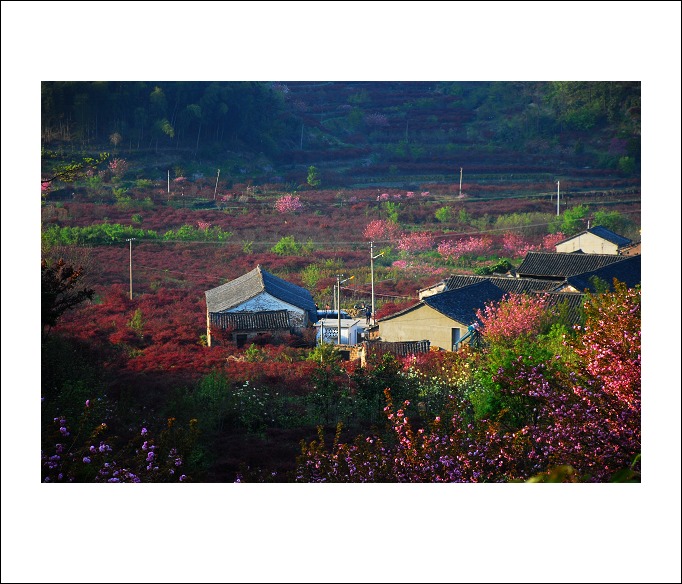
[265, 301]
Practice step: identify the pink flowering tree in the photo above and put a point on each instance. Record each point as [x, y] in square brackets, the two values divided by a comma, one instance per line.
[517, 315]
[472, 246]
[412, 242]
[381, 230]
[203, 225]
[513, 243]
[288, 204]
[550, 240]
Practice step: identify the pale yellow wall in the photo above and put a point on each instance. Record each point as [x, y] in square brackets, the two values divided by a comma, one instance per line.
[589, 243]
[423, 323]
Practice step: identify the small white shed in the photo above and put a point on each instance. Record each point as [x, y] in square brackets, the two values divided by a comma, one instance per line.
[328, 330]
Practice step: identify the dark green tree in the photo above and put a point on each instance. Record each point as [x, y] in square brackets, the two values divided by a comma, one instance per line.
[61, 290]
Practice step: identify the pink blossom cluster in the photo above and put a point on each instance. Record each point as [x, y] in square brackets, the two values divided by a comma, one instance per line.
[226, 198]
[550, 241]
[203, 225]
[381, 230]
[118, 166]
[383, 197]
[288, 204]
[469, 246]
[512, 243]
[515, 316]
[425, 193]
[421, 241]
[45, 187]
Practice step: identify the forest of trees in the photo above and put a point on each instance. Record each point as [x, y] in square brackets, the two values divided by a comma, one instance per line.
[372, 124]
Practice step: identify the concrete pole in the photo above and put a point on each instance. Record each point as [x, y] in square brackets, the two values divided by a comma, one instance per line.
[371, 255]
[557, 198]
[338, 304]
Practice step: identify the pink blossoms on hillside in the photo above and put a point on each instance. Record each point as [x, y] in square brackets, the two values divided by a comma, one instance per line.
[288, 204]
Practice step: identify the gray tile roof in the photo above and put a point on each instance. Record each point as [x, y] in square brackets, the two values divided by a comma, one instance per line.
[459, 304]
[267, 320]
[628, 271]
[573, 302]
[559, 266]
[251, 285]
[511, 285]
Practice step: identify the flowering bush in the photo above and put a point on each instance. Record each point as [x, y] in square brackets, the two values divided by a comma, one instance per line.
[288, 204]
[87, 455]
[550, 240]
[411, 242]
[118, 167]
[470, 246]
[516, 315]
[381, 230]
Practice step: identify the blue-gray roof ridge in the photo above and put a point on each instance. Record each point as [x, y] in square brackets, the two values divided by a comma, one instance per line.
[628, 271]
[461, 304]
[251, 284]
[508, 284]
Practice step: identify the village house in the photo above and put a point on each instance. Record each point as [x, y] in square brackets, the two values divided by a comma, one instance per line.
[442, 319]
[260, 303]
[595, 240]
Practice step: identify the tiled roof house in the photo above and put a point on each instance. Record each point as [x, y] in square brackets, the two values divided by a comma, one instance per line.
[596, 240]
[628, 271]
[443, 318]
[259, 291]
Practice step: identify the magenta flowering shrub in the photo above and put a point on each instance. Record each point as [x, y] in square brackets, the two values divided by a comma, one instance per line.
[204, 225]
[288, 204]
[383, 197]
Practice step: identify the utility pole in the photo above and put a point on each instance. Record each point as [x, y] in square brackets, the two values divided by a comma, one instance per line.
[372, 258]
[339, 281]
[460, 181]
[169, 182]
[130, 241]
[215, 191]
[557, 198]
[338, 310]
